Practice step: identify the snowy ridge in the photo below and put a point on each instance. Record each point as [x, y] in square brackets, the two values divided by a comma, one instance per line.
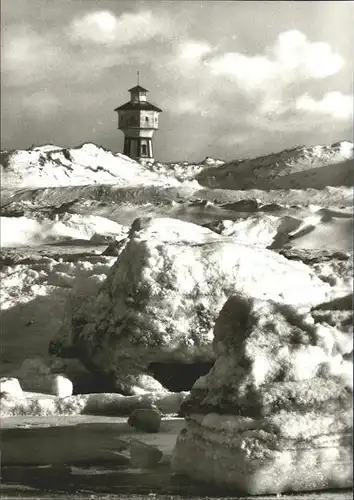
[53, 166]
[184, 171]
[287, 169]
[297, 168]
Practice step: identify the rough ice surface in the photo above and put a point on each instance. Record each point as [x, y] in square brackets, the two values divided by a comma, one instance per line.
[164, 292]
[110, 404]
[278, 399]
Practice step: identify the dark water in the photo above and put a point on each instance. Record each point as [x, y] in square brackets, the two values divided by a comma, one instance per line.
[95, 483]
[112, 482]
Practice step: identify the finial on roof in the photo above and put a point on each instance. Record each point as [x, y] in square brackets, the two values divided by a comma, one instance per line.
[137, 73]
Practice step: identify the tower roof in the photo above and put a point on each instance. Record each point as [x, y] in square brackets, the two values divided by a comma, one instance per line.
[139, 105]
[138, 88]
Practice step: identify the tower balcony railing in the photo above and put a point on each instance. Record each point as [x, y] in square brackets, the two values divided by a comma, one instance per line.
[153, 126]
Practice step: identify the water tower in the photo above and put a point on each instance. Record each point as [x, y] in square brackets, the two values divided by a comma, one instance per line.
[138, 119]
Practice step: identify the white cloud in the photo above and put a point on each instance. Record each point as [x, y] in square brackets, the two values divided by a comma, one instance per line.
[192, 51]
[294, 53]
[104, 27]
[97, 27]
[30, 57]
[26, 55]
[248, 72]
[183, 67]
[304, 114]
[335, 104]
[184, 62]
[204, 78]
[292, 58]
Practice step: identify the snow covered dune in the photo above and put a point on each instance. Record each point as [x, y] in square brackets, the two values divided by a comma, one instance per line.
[297, 168]
[47, 166]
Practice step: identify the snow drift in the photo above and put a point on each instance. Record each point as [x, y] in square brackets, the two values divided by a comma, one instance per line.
[23, 231]
[310, 228]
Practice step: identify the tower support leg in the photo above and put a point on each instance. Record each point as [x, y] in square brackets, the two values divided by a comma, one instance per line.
[137, 147]
[126, 150]
[131, 147]
[150, 149]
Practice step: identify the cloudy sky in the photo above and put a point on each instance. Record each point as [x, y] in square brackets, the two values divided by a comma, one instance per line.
[234, 79]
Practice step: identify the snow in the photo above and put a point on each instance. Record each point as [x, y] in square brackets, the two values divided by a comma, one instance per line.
[287, 389]
[43, 404]
[259, 230]
[335, 233]
[46, 148]
[108, 191]
[175, 230]
[184, 171]
[312, 227]
[11, 386]
[184, 273]
[57, 202]
[20, 231]
[24, 282]
[33, 299]
[50, 165]
[297, 425]
[54, 166]
[301, 167]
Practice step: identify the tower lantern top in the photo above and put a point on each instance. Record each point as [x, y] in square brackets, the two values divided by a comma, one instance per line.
[138, 88]
[138, 93]
[138, 101]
